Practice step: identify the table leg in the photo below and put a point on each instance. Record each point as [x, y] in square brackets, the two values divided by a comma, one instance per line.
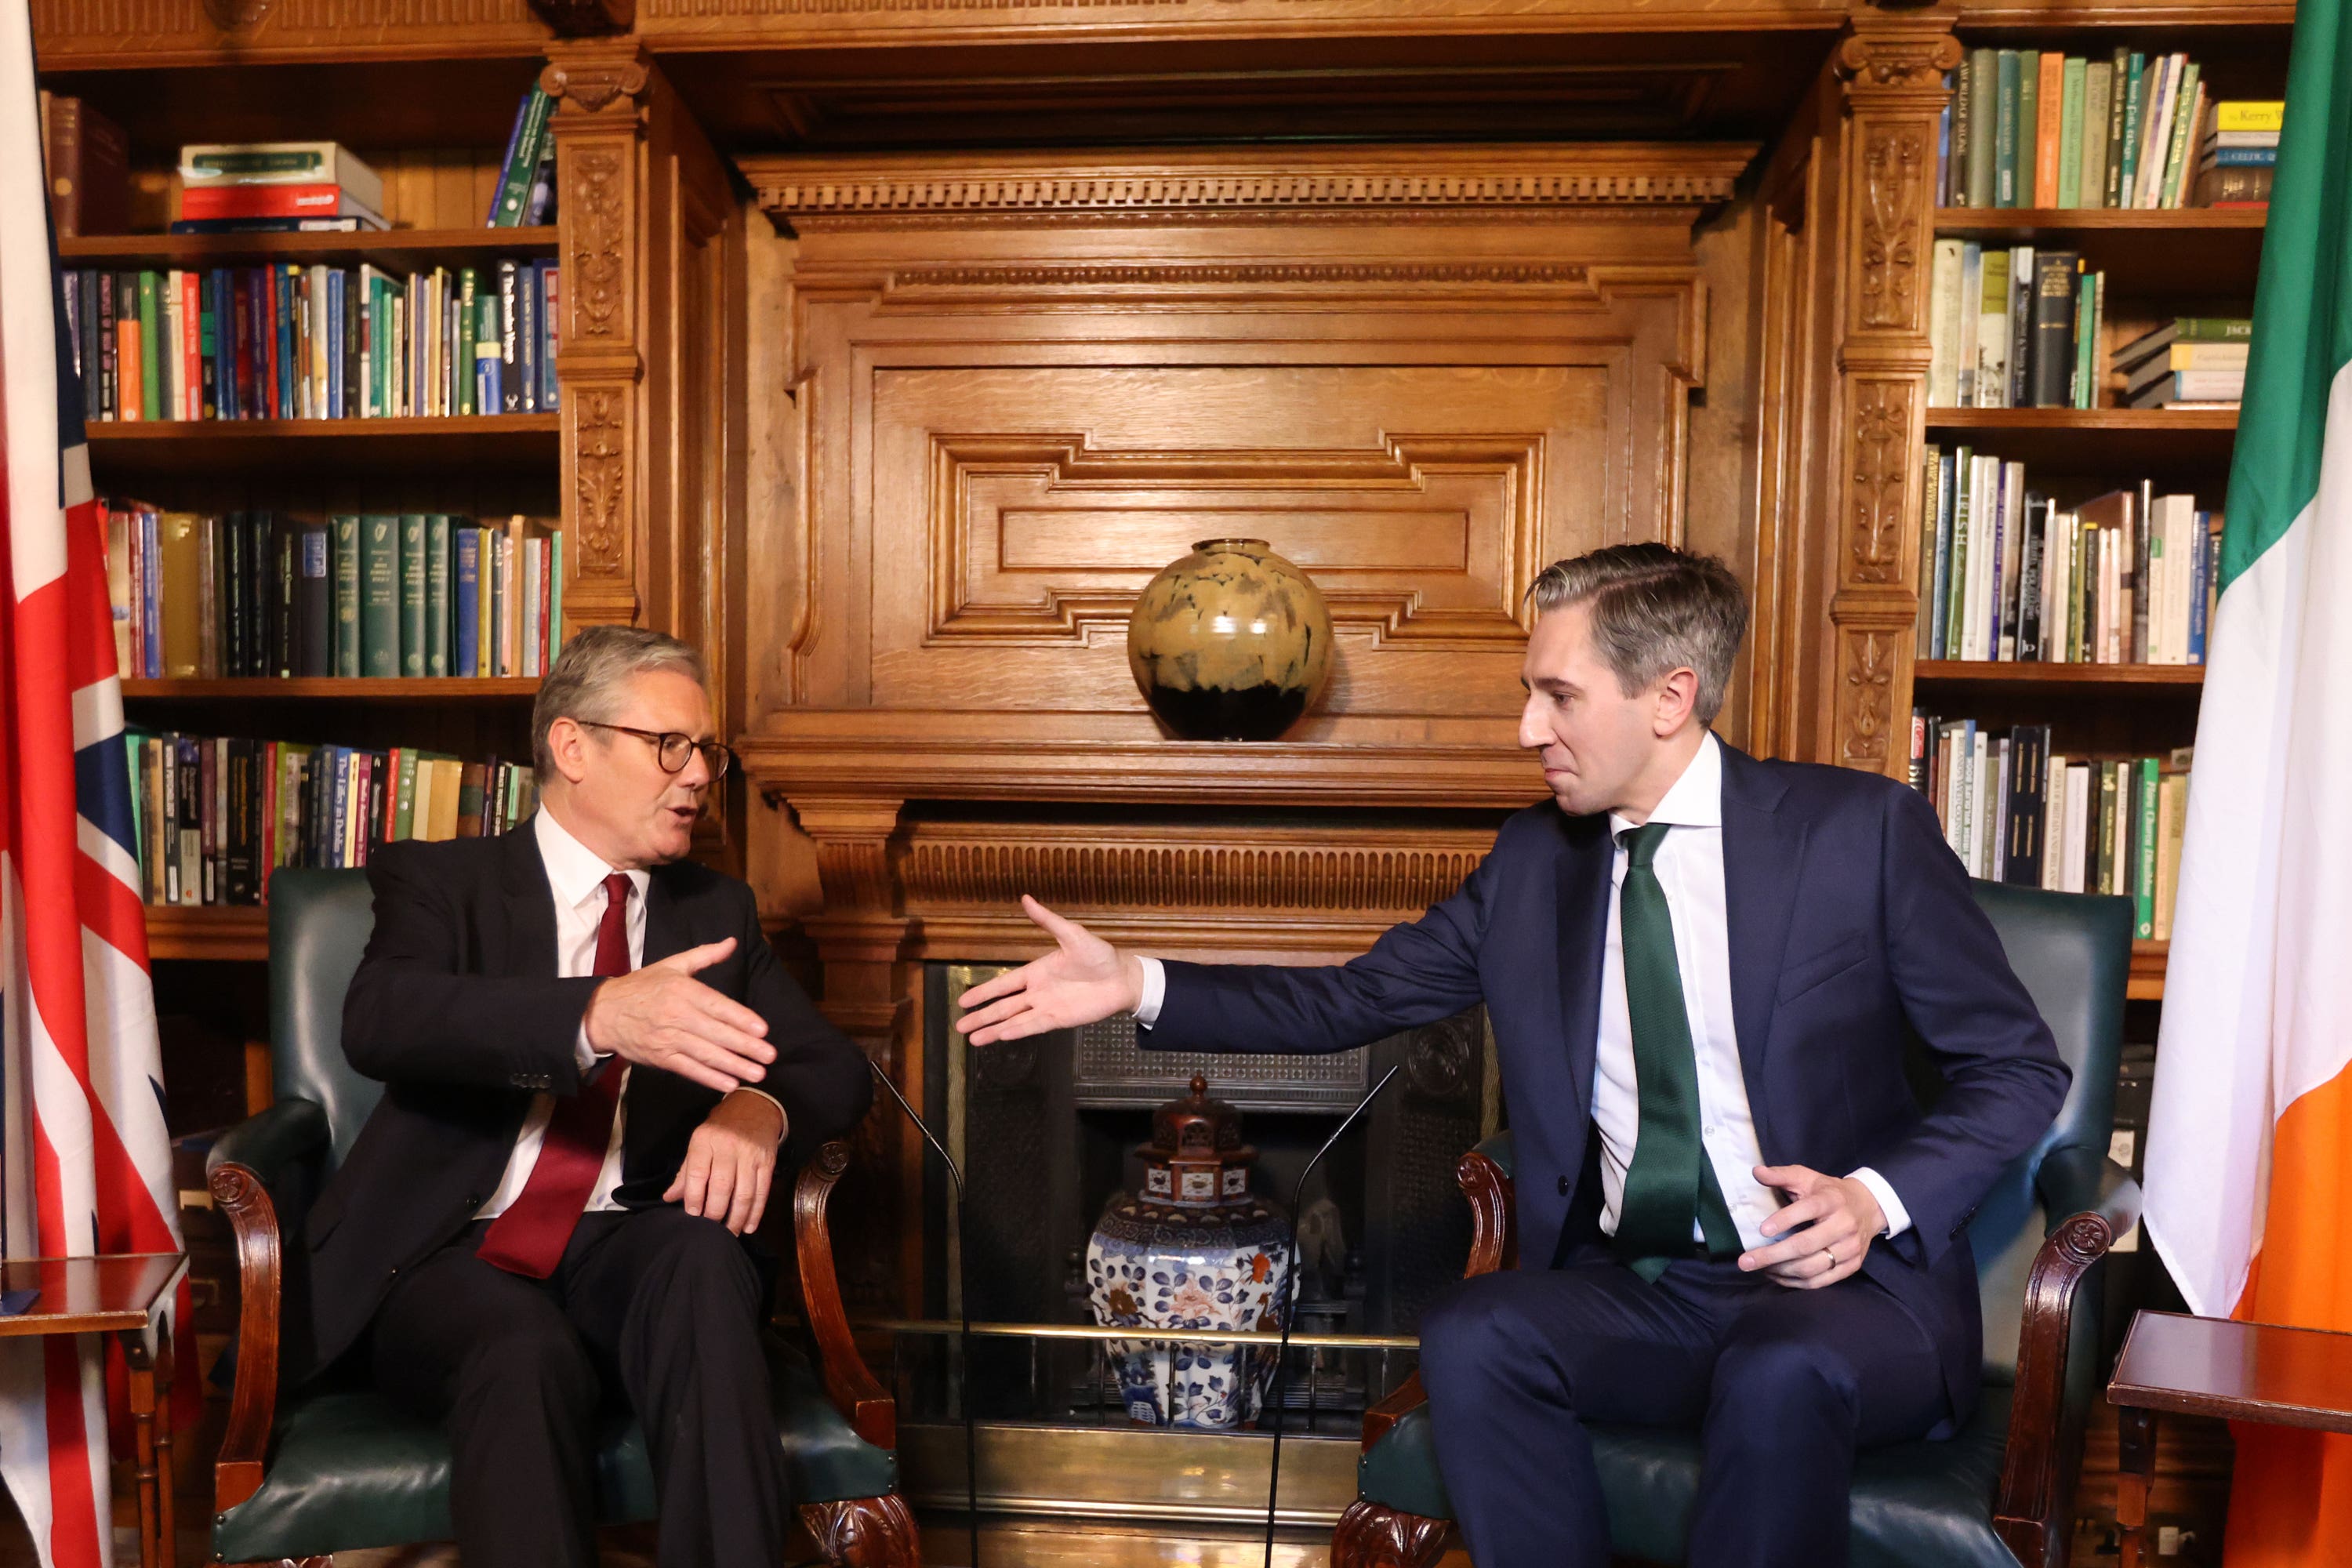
[167, 1522]
[142, 1370]
[2134, 1469]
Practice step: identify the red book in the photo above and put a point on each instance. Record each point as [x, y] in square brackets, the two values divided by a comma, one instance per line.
[272, 201]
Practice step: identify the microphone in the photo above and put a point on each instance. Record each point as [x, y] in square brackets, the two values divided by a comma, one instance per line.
[1289, 1297]
[963, 1301]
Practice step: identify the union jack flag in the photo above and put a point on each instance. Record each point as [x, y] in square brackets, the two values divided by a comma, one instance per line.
[85, 1161]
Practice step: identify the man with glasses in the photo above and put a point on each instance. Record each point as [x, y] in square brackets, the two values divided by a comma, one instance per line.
[592, 1063]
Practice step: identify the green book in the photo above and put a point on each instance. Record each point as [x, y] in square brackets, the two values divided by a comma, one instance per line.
[2213, 329]
[437, 549]
[2135, 107]
[207, 350]
[2118, 89]
[2098, 101]
[2103, 824]
[488, 350]
[379, 595]
[530, 146]
[404, 794]
[2029, 128]
[1984, 92]
[412, 593]
[2181, 145]
[2086, 338]
[2071, 102]
[2004, 132]
[2143, 847]
[461, 352]
[346, 568]
[150, 349]
[554, 596]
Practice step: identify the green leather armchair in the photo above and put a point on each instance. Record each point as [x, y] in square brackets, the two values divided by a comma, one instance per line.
[305, 1473]
[1998, 1494]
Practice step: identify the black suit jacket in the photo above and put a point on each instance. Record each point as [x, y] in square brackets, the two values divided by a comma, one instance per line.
[457, 1008]
[1855, 939]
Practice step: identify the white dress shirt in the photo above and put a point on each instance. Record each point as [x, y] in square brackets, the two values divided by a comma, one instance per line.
[1689, 865]
[575, 876]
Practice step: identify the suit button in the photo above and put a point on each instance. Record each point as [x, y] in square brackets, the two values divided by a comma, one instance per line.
[1563, 1186]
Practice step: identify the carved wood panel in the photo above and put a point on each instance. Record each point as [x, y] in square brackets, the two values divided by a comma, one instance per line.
[1030, 382]
[115, 32]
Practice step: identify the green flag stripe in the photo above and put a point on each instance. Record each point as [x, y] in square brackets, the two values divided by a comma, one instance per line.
[2303, 303]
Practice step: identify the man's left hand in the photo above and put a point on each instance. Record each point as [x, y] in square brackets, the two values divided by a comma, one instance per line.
[729, 1162]
[1835, 1219]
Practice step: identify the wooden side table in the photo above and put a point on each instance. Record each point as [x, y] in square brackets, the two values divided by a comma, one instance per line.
[2214, 1366]
[116, 1295]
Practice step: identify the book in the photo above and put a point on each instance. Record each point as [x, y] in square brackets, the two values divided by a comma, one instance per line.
[2052, 359]
[1993, 331]
[87, 159]
[2006, 128]
[438, 607]
[2072, 106]
[522, 161]
[2233, 188]
[280, 163]
[276, 201]
[2020, 319]
[2049, 128]
[2098, 103]
[1981, 84]
[2184, 121]
[2250, 114]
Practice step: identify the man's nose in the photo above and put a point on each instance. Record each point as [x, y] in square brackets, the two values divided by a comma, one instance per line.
[1534, 732]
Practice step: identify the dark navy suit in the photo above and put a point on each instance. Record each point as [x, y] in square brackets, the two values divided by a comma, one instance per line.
[1852, 938]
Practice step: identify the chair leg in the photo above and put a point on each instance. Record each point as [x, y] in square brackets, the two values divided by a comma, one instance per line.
[1371, 1536]
[865, 1532]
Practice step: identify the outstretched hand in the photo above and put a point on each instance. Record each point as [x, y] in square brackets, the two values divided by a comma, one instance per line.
[1083, 980]
[662, 1017]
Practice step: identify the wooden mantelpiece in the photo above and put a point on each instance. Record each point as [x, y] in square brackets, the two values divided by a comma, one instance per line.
[1022, 382]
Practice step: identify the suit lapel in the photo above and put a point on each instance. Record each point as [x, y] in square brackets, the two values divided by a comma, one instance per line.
[1582, 885]
[1762, 855]
[665, 928]
[529, 904]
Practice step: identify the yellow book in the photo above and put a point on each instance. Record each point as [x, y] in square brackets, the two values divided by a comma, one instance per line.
[2250, 114]
[180, 542]
[448, 774]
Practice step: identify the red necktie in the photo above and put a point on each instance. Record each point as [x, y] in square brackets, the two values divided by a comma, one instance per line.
[529, 1239]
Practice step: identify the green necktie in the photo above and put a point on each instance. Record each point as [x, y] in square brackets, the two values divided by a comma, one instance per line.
[1671, 1182]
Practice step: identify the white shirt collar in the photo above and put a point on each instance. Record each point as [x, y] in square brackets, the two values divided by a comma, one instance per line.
[1693, 800]
[575, 870]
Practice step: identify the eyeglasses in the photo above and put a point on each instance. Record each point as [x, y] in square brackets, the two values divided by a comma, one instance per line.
[671, 748]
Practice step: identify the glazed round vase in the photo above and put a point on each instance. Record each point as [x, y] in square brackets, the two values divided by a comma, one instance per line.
[1195, 1249]
[1230, 643]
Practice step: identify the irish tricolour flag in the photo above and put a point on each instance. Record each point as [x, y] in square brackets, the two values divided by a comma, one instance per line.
[2250, 1141]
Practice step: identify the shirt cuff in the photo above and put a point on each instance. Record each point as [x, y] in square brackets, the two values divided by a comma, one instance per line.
[783, 1117]
[1899, 1218]
[1155, 990]
[582, 1053]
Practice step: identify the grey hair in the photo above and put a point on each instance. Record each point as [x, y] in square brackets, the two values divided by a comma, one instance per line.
[587, 680]
[1655, 609]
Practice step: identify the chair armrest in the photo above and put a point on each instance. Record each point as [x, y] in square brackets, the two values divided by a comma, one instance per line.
[1484, 1174]
[1502, 1151]
[240, 1170]
[861, 1400]
[2075, 1180]
[268, 1143]
[2032, 1513]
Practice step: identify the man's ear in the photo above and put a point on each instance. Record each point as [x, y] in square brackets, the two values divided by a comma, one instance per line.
[566, 740]
[1678, 695]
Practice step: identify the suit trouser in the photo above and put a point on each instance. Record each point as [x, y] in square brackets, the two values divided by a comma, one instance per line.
[655, 1308]
[1782, 1386]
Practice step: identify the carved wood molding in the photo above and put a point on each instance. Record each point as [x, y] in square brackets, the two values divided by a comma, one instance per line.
[1042, 476]
[98, 34]
[1371, 1536]
[1891, 70]
[1321, 275]
[865, 1532]
[1234, 870]
[1297, 180]
[843, 754]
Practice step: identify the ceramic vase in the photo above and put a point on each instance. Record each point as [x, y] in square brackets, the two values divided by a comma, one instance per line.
[1230, 643]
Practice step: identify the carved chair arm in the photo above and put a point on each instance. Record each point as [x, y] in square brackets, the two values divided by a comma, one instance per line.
[853, 1389]
[239, 1170]
[2031, 1512]
[1485, 1179]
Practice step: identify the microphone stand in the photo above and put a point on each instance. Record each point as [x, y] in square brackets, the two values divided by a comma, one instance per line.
[963, 1301]
[1289, 1298]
